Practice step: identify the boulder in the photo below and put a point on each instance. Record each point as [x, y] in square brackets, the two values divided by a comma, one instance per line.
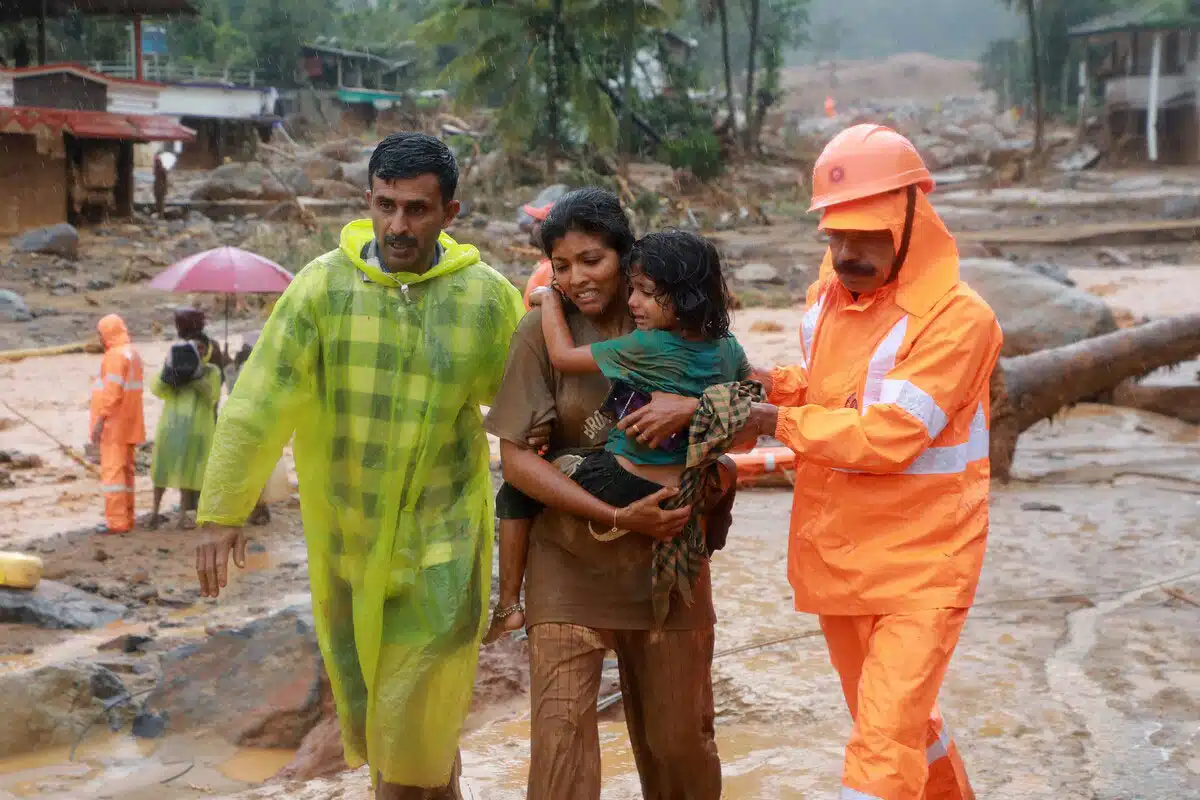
[337, 190]
[343, 150]
[297, 180]
[758, 273]
[550, 194]
[13, 308]
[240, 181]
[60, 240]
[356, 172]
[1036, 312]
[320, 168]
[260, 685]
[58, 607]
[1052, 271]
[53, 706]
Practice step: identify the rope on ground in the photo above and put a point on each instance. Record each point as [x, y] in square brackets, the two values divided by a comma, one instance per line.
[612, 699]
[65, 448]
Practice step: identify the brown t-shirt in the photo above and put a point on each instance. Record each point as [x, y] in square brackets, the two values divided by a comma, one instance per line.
[571, 577]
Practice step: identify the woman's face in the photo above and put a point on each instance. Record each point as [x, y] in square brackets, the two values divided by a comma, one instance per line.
[587, 271]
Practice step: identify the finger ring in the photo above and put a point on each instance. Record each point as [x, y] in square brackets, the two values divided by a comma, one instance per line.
[635, 429]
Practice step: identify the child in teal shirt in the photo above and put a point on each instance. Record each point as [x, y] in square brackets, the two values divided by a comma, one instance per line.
[682, 346]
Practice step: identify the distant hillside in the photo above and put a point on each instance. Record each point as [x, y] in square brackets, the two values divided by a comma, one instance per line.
[875, 29]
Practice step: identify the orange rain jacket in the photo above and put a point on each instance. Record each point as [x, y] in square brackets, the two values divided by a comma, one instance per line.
[117, 392]
[888, 414]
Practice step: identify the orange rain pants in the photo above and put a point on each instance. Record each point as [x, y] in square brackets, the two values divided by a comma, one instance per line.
[888, 415]
[117, 399]
[891, 668]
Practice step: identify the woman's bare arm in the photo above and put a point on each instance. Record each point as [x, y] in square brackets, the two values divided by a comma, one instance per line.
[542, 481]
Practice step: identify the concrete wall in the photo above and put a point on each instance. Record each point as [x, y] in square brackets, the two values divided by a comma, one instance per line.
[216, 101]
[35, 185]
[1134, 91]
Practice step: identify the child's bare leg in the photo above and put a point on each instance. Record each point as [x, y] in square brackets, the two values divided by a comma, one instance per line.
[509, 616]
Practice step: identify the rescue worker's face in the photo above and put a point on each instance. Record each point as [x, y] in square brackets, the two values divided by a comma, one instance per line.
[863, 260]
[408, 214]
[587, 271]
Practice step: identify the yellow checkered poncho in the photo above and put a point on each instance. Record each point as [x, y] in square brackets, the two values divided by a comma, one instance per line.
[381, 381]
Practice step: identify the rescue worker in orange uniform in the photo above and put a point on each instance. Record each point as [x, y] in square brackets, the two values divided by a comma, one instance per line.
[543, 273]
[888, 413]
[117, 423]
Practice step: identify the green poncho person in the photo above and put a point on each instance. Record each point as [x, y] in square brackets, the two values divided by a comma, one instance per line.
[185, 430]
[380, 375]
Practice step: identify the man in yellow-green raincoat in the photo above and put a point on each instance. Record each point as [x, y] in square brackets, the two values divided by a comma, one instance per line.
[377, 358]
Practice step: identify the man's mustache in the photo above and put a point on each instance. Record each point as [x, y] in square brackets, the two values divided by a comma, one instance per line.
[394, 240]
[860, 268]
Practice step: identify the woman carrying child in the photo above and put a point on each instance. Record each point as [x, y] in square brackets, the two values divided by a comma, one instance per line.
[592, 537]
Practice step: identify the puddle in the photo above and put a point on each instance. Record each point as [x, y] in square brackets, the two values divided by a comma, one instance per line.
[110, 765]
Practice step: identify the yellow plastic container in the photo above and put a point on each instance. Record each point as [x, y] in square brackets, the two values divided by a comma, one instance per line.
[20, 570]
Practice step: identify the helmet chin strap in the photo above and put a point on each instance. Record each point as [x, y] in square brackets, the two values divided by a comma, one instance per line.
[906, 238]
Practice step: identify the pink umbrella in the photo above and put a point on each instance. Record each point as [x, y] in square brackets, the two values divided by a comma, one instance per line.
[224, 270]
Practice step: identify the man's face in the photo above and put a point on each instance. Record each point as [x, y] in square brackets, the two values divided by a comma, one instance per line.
[863, 260]
[408, 214]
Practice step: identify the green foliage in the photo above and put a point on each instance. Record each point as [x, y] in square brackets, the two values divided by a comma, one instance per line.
[699, 152]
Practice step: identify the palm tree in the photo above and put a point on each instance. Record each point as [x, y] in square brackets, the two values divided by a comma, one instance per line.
[719, 9]
[1035, 52]
[527, 58]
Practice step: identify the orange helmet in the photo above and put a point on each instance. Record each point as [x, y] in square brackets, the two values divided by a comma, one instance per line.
[866, 160]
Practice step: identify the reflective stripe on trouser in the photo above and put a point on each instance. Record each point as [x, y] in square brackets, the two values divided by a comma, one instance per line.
[666, 681]
[116, 482]
[891, 668]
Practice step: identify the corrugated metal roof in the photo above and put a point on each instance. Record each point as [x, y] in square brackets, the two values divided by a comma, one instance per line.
[1145, 15]
[11, 10]
[94, 124]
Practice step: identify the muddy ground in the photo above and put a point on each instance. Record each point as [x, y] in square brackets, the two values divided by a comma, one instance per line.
[1077, 673]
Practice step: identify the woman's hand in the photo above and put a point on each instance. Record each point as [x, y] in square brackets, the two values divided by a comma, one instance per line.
[647, 518]
[543, 294]
[653, 424]
[538, 439]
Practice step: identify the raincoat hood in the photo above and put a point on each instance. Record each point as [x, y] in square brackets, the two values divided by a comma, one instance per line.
[930, 269]
[113, 332]
[357, 234]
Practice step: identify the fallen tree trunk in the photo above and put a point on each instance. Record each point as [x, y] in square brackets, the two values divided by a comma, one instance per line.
[1027, 389]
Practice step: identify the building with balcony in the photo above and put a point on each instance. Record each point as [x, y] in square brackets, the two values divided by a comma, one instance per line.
[1146, 62]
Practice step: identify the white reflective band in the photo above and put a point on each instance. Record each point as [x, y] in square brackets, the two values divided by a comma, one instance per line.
[769, 462]
[119, 488]
[939, 749]
[915, 401]
[121, 382]
[808, 328]
[882, 362]
[855, 794]
[954, 459]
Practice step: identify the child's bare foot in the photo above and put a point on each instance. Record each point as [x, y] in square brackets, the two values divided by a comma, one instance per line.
[505, 620]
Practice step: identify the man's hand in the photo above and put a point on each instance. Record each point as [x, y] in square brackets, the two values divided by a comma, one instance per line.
[764, 418]
[653, 424]
[97, 432]
[212, 557]
[763, 376]
[647, 518]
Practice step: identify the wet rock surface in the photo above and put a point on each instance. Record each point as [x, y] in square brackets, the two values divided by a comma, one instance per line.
[61, 240]
[57, 606]
[1036, 312]
[54, 705]
[240, 181]
[259, 684]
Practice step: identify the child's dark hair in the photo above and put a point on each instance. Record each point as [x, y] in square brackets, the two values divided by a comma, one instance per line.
[589, 210]
[686, 270]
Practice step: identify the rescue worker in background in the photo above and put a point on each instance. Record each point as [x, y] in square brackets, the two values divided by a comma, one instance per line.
[888, 413]
[543, 272]
[117, 425]
[378, 357]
